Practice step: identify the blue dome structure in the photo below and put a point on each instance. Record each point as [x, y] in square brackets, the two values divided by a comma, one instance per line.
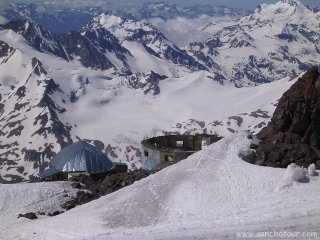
[79, 157]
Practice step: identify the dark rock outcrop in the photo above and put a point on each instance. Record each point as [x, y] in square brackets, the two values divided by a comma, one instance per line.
[29, 215]
[96, 186]
[293, 135]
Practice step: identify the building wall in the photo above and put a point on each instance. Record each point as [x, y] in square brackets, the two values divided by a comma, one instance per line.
[150, 158]
[165, 150]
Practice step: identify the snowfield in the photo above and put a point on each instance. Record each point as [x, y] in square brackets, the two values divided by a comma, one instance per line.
[21, 198]
[211, 195]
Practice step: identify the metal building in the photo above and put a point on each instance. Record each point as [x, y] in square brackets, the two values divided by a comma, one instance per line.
[77, 158]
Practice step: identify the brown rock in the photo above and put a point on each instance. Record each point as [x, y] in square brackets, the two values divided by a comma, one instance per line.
[274, 157]
[293, 134]
[29, 215]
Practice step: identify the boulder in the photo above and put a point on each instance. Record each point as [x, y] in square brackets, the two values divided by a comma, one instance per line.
[29, 215]
[55, 213]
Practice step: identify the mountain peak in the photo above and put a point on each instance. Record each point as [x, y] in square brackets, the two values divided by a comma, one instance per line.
[285, 10]
[107, 20]
[291, 2]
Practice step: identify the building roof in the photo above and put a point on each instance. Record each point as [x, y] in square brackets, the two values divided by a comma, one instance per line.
[48, 172]
[79, 157]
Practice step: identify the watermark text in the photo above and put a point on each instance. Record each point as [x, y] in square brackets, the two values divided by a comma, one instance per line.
[277, 234]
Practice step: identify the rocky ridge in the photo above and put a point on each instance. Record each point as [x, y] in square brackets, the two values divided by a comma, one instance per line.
[26, 138]
[293, 134]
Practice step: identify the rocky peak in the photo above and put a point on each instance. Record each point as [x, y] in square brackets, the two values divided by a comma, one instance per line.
[283, 10]
[293, 134]
[5, 49]
[37, 36]
[29, 30]
[291, 2]
[143, 33]
[107, 20]
[297, 114]
[121, 28]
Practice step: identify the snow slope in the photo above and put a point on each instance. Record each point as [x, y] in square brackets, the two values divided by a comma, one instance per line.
[22, 198]
[135, 115]
[211, 195]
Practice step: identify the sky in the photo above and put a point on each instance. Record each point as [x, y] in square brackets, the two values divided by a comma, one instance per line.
[243, 4]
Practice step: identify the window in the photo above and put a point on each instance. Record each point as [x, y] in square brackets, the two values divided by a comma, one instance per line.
[146, 153]
[179, 143]
[168, 158]
[205, 142]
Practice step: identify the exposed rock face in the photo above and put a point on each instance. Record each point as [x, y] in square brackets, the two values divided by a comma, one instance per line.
[94, 187]
[30, 127]
[293, 135]
[29, 215]
[147, 82]
[297, 116]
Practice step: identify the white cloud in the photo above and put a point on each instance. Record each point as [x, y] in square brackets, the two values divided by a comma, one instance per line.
[183, 30]
[40, 9]
[57, 4]
[3, 20]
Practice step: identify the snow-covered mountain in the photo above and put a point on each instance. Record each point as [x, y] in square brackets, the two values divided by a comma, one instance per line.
[49, 102]
[275, 41]
[61, 19]
[139, 36]
[109, 42]
[29, 116]
[117, 81]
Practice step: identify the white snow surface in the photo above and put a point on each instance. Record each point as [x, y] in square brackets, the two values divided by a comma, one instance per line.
[213, 194]
[22, 198]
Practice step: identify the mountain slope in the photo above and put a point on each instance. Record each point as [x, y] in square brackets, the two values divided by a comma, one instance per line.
[211, 195]
[39, 197]
[276, 40]
[30, 128]
[144, 35]
[110, 43]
